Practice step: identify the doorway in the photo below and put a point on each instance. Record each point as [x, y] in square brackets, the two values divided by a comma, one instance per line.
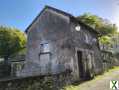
[80, 64]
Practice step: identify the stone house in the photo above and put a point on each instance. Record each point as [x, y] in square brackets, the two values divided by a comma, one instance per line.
[58, 42]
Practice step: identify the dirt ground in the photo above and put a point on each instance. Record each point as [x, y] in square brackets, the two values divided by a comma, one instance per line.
[101, 82]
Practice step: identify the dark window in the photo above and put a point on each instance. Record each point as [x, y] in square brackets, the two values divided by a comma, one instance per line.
[44, 48]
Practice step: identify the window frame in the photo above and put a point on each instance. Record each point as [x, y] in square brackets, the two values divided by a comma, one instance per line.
[44, 47]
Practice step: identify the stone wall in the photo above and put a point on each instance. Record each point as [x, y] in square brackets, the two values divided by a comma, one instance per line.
[54, 82]
[80, 40]
[52, 43]
[4, 69]
[116, 60]
[46, 45]
[109, 60]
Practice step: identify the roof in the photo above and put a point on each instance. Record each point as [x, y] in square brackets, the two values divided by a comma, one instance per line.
[64, 13]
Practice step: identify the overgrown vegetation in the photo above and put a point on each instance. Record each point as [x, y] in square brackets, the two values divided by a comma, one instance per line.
[105, 27]
[109, 33]
[12, 40]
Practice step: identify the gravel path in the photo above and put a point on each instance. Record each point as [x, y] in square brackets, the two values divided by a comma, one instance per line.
[101, 82]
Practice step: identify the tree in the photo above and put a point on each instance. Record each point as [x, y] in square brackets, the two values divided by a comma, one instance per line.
[91, 20]
[105, 40]
[12, 40]
[105, 27]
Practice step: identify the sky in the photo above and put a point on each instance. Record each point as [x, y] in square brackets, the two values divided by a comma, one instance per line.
[20, 13]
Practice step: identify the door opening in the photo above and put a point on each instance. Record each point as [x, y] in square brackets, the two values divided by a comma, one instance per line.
[80, 64]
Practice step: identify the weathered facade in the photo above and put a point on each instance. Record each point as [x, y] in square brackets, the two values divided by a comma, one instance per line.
[60, 50]
[45, 82]
[57, 42]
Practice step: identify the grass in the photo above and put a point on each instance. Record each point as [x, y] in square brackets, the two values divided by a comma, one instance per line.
[91, 82]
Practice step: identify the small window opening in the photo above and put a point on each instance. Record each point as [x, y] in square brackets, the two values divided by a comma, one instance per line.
[44, 48]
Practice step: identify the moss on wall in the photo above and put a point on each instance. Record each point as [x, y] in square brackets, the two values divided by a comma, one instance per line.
[54, 82]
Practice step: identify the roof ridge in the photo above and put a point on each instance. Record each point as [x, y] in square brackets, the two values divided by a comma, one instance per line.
[62, 12]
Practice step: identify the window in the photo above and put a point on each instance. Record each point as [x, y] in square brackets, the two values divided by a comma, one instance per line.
[86, 38]
[45, 57]
[44, 48]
